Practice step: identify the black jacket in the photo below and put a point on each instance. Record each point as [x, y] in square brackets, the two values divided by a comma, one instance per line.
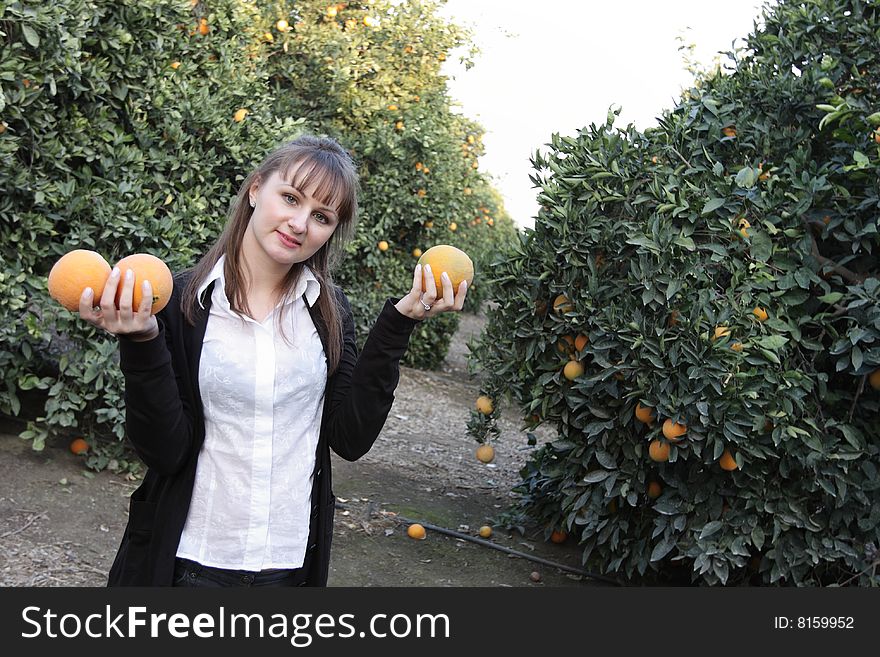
[165, 422]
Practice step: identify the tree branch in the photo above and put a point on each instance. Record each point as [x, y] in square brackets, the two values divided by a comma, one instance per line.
[847, 274]
[852, 409]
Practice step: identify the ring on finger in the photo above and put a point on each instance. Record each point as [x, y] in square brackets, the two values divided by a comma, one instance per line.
[426, 306]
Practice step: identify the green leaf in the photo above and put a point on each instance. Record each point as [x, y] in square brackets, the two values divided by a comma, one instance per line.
[772, 341]
[712, 205]
[831, 297]
[662, 548]
[685, 242]
[30, 36]
[761, 248]
[710, 528]
[596, 476]
[746, 177]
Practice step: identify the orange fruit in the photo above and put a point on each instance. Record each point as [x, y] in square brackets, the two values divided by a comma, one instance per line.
[73, 273]
[720, 332]
[485, 453]
[419, 166]
[737, 346]
[565, 345]
[877, 135]
[444, 258]
[485, 531]
[392, 108]
[429, 224]
[760, 313]
[78, 446]
[727, 462]
[175, 65]
[645, 413]
[572, 370]
[484, 405]
[331, 11]
[658, 451]
[453, 226]
[203, 27]
[874, 379]
[729, 131]
[580, 342]
[239, 115]
[417, 253]
[673, 430]
[282, 25]
[383, 245]
[673, 318]
[561, 304]
[654, 490]
[416, 531]
[150, 268]
[558, 536]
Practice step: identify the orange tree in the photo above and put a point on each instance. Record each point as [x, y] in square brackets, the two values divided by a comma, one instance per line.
[719, 415]
[121, 132]
[370, 75]
[127, 126]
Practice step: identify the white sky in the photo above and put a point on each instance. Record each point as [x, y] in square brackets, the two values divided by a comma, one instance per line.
[549, 66]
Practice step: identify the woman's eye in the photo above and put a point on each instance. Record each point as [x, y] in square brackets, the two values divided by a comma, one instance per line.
[290, 198]
[320, 217]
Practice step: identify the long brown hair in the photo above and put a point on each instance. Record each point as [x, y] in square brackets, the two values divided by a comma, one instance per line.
[318, 161]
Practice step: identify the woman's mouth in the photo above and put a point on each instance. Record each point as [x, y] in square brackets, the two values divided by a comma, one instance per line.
[287, 241]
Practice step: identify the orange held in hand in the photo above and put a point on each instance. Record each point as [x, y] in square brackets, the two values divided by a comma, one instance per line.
[73, 273]
[150, 268]
[453, 261]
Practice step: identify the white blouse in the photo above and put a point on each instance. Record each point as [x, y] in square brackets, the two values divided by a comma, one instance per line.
[263, 401]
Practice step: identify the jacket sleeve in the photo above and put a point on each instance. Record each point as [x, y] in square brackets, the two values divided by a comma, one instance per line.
[157, 419]
[362, 388]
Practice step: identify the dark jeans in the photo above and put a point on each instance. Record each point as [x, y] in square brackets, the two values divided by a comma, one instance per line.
[192, 574]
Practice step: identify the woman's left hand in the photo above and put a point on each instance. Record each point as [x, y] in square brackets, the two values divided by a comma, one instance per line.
[421, 304]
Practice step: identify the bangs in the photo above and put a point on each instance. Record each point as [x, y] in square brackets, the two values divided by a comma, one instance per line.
[323, 178]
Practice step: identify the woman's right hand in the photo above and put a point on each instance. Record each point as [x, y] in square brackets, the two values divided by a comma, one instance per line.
[139, 325]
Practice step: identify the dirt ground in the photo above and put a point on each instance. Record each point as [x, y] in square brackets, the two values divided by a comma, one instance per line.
[60, 525]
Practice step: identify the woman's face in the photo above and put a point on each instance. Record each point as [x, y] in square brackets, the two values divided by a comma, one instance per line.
[287, 226]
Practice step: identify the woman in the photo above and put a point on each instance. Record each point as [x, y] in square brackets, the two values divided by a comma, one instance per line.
[236, 391]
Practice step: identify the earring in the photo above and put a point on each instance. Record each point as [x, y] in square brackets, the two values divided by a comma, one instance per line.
[253, 203]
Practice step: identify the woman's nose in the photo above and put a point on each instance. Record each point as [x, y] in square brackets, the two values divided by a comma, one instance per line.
[298, 220]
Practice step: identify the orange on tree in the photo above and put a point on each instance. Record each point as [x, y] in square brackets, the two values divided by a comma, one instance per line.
[558, 536]
[673, 430]
[673, 318]
[78, 446]
[645, 414]
[419, 166]
[737, 346]
[332, 11]
[874, 379]
[147, 267]
[282, 25]
[445, 258]
[416, 531]
[654, 490]
[239, 115]
[399, 125]
[727, 462]
[561, 304]
[383, 245]
[720, 332]
[453, 226]
[392, 108]
[573, 369]
[175, 65]
[485, 531]
[760, 313]
[203, 27]
[581, 341]
[429, 223]
[744, 226]
[729, 131]
[73, 273]
[484, 405]
[417, 253]
[485, 453]
[565, 344]
[658, 450]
